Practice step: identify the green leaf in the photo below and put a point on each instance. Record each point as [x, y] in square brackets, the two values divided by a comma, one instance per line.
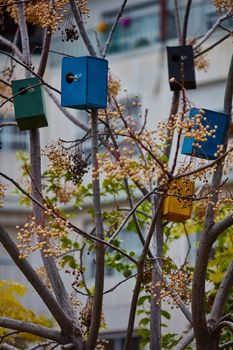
[166, 314]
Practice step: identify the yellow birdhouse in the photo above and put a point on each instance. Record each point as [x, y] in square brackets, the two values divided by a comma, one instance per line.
[175, 208]
[102, 27]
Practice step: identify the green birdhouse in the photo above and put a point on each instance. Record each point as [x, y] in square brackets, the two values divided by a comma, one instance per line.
[28, 97]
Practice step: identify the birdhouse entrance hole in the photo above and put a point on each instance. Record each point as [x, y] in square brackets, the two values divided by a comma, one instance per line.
[69, 78]
[22, 91]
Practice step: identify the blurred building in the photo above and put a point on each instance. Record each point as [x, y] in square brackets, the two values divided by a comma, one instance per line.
[137, 57]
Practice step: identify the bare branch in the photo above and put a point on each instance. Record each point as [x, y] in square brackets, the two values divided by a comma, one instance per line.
[82, 30]
[44, 344]
[212, 29]
[109, 40]
[4, 336]
[225, 345]
[30, 70]
[223, 324]
[209, 165]
[222, 294]
[129, 215]
[66, 113]
[138, 283]
[12, 46]
[177, 18]
[70, 225]
[8, 124]
[212, 46]
[100, 251]
[201, 330]
[7, 347]
[185, 341]
[54, 307]
[185, 24]
[32, 328]
[45, 52]
[14, 2]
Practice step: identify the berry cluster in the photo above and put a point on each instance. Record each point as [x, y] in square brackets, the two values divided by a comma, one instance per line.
[32, 237]
[46, 14]
[2, 193]
[58, 158]
[70, 33]
[179, 285]
[77, 167]
[114, 86]
[223, 5]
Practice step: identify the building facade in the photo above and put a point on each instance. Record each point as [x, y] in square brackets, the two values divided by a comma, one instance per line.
[137, 57]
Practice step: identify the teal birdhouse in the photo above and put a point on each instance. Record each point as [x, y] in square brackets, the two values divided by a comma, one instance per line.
[84, 82]
[29, 106]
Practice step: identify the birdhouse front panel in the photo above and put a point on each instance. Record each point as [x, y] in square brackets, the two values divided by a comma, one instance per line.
[84, 82]
[175, 208]
[181, 67]
[29, 104]
[207, 135]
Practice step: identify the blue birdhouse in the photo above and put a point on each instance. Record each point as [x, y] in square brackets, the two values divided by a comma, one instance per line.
[84, 82]
[181, 67]
[207, 133]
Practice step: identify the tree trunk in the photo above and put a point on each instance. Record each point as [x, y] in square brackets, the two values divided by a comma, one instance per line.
[155, 324]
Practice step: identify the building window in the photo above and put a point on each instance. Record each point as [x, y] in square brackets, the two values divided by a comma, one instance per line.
[116, 342]
[11, 138]
[139, 27]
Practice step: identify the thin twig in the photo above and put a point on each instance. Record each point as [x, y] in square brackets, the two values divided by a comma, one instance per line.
[8, 335]
[210, 165]
[30, 70]
[52, 51]
[66, 113]
[178, 25]
[14, 2]
[225, 345]
[212, 29]
[129, 215]
[108, 42]
[41, 345]
[5, 82]
[19, 93]
[189, 246]
[12, 46]
[81, 27]
[212, 46]
[185, 24]
[98, 43]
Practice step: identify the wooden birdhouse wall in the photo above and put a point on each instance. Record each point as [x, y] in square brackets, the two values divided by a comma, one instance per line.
[29, 104]
[219, 122]
[181, 67]
[175, 208]
[84, 82]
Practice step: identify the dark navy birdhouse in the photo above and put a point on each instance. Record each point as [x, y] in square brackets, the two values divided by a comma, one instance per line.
[181, 67]
[84, 82]
[29, 106]
[207, 133]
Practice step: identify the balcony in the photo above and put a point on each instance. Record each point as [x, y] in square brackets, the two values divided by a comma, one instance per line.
[140, 27]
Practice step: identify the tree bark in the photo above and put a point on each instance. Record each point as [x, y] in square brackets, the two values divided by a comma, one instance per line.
[32, 328]
[155, 325]
[62, 319]
[100, 251]
[203, 336]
